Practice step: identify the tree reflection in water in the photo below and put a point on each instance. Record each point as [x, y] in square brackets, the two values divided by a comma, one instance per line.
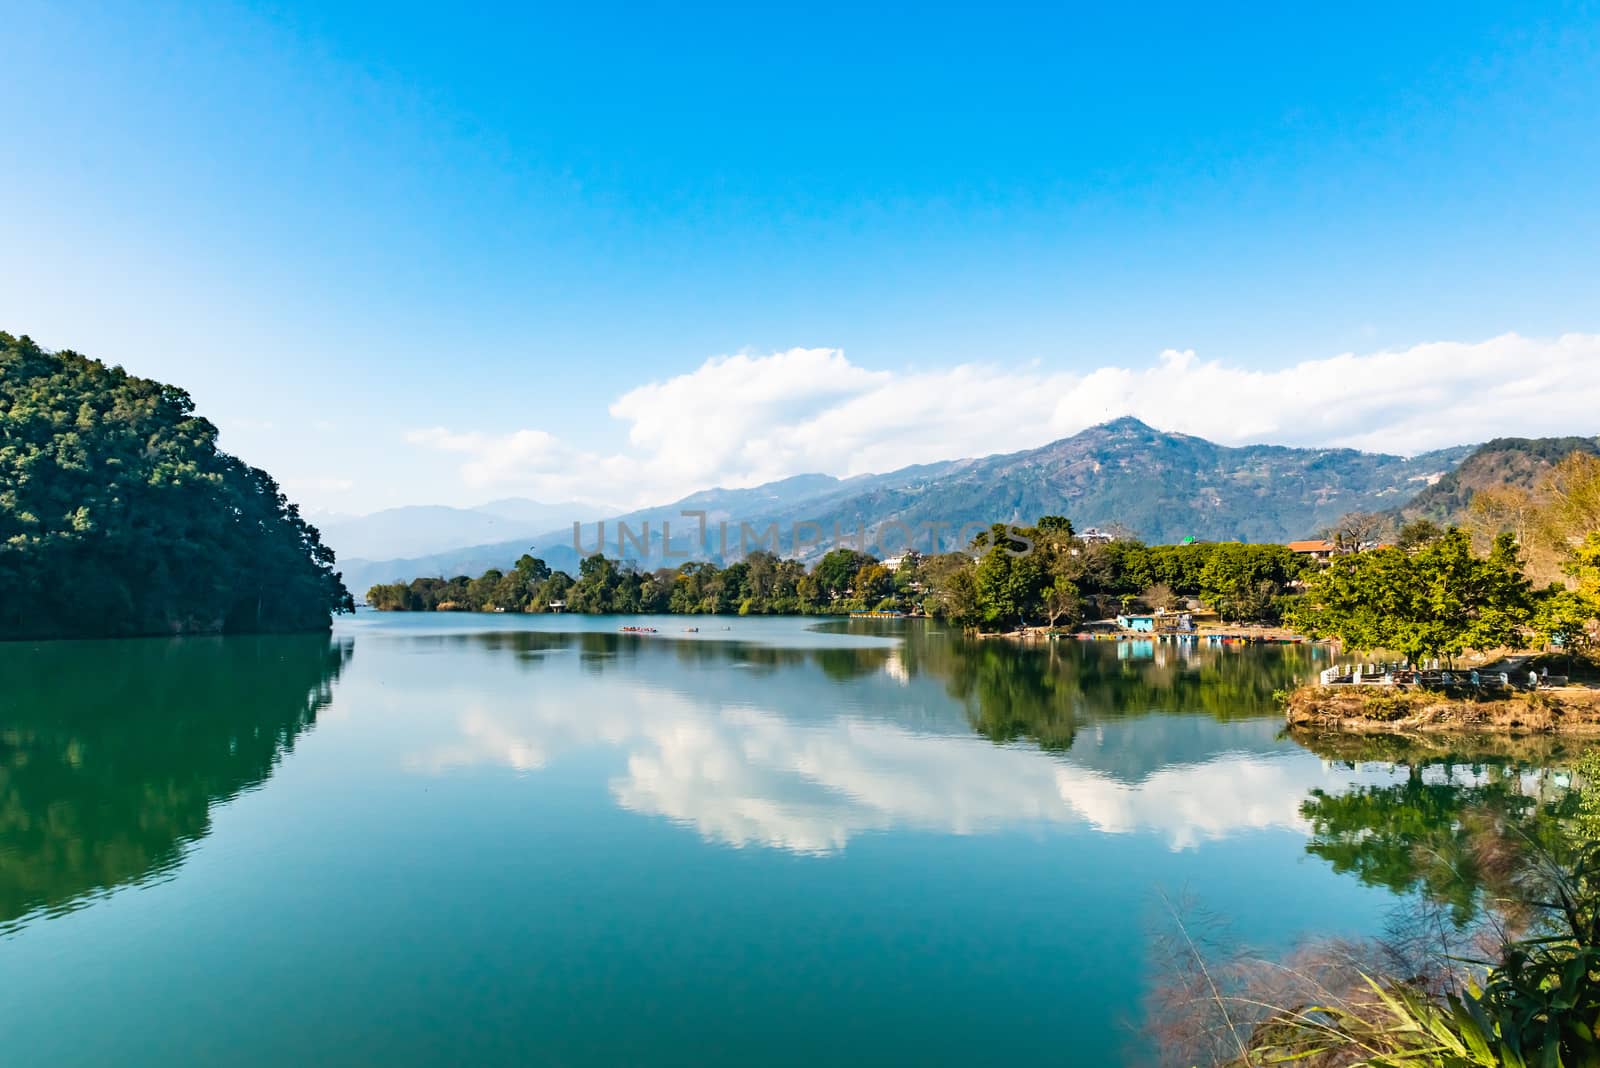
[1044, 692]
[1455, 827]
[1039, 692]
[108, 774]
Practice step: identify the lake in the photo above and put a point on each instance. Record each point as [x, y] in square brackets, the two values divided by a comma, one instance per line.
[499, 840]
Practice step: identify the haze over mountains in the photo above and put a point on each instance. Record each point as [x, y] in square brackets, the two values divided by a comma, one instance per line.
[416, 530]
[1160, 486]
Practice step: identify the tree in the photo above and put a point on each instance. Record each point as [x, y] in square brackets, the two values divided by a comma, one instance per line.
[481, 590]
[1584, 567]
[1248, 582]
[1570, 617]
[552, 590]
[872, 584]
[1435, 602]
[1007, 588]
[530, 570]
[1062, 603]
[1566, 618]
[1054, 524]
[511, 593]
[1160, 598]
[1356, 531]
[1497, 510]
[952, 591]
[1571, 495]
[1417, 533]
[596, 587]
[390, 597]
[836, 570]
[114, 482]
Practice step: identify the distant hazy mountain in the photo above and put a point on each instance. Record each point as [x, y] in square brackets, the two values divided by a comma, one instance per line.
[1161, 486]
[1519, 462]
[421, 529]
[523, 510]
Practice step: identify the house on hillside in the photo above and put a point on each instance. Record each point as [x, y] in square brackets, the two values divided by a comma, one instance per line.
[1142, 624]
[1319, 550]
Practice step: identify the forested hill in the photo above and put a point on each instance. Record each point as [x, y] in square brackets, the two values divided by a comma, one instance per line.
[120, 516]
[1516, 463]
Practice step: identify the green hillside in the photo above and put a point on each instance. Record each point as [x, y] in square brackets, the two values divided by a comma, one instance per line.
[1515, 462]
[120, 516]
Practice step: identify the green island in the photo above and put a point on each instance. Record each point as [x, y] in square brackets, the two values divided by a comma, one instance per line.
[120, 516]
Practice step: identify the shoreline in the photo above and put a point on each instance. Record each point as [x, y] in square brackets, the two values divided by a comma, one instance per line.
[1206, 633]
[1573, 710]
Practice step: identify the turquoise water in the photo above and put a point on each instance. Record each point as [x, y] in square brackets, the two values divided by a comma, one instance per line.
[534, 840]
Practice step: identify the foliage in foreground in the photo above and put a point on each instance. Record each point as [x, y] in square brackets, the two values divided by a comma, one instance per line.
[120, 516]
[1538, 1005]
[1499, 964]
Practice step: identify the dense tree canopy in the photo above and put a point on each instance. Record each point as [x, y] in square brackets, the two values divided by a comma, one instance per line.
[120, 516]
[1434, 601]
[1009, 576]
[1436, 593]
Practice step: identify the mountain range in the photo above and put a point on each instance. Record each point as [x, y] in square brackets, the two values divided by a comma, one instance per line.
[1159, 486]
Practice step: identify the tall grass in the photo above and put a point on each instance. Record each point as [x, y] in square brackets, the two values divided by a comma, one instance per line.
[1522, 989]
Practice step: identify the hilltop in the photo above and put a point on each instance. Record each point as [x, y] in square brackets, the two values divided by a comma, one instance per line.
[1158, 485]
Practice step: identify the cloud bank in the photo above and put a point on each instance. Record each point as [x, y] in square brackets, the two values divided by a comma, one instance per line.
[747, 776]
[743, 420]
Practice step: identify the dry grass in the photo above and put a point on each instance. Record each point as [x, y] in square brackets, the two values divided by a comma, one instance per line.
[1567, 710]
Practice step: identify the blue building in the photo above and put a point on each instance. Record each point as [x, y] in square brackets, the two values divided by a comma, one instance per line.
[1146, 624]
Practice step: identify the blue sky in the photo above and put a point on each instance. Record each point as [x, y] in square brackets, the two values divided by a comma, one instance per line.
[402, 254]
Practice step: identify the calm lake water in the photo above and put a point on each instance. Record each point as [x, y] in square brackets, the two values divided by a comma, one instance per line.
[534, 840]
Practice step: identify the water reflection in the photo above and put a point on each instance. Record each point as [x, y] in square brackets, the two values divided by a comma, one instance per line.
[113, 753]
[805, 749]
[602, 649]
[1458, 810]
[1045, 693]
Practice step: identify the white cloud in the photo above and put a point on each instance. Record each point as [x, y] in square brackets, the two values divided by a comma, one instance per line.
[497, 459]
[743, 420]
[748, 776]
